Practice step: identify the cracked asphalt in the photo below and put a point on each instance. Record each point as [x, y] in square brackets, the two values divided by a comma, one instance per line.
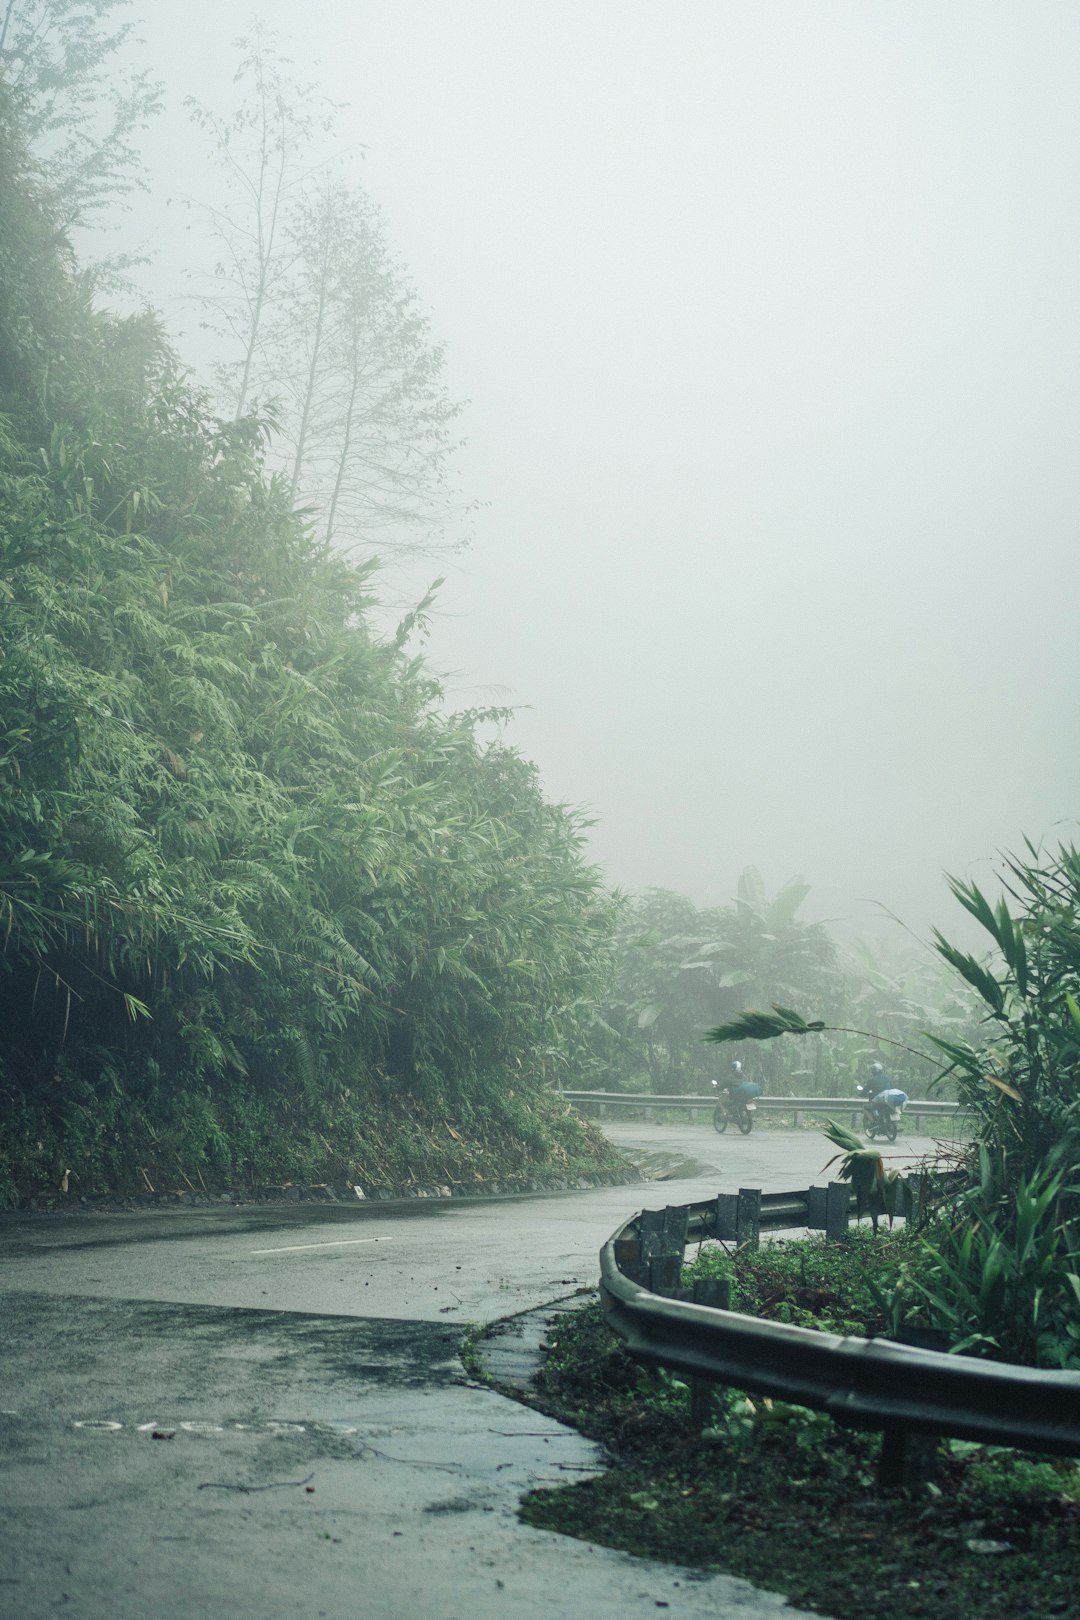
[252, 1414]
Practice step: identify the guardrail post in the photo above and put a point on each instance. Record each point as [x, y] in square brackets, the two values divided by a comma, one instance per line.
[706, 1396]
[662, 1230]
[725, 1217]
[714, 1291]
[837, 1213]
[629, 1261]
[924, 1189]
[665, 1274]
[748, 1217]
[909, 1456]
[662, 1234]
[908, 1459]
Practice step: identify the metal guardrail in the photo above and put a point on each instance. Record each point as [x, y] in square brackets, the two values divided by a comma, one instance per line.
[865, 1383]
[657, 1102]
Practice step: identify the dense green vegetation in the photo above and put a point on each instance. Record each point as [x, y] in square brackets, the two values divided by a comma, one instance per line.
[998, 1269]
[1001, 1268]
[683, 967]
[268, 912]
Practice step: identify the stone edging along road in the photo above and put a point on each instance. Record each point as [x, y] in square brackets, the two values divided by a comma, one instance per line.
[292, 1193]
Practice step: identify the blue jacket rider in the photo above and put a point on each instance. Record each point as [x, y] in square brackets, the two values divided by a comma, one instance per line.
[879, 1080]
[737, 1086]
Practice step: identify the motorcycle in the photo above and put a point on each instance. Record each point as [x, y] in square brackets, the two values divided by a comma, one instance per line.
[882, 1113]
[735, 1106]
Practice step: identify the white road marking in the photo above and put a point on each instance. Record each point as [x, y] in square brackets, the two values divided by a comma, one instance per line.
[338, 1243]
[204, 1427]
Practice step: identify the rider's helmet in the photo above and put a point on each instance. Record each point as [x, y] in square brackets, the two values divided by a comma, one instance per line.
[878, 1068]
[736, 1067]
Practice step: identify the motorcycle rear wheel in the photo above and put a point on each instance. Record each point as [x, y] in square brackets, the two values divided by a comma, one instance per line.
[746, 1123]
[891, 1130]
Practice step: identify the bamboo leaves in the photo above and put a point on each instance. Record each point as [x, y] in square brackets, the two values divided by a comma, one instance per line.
[1003, 1283]
[248, 867]
[978, 976]
[761, 1026]
[1026, 1084]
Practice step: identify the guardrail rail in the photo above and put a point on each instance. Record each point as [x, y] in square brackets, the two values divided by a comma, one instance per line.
[908, 1393]
[600, 1102]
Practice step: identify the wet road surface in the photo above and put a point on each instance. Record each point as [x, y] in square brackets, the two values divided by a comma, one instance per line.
[467, 1260]
[261, 1412]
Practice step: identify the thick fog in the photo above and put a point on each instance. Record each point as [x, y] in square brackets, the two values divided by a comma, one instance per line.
[767, 315]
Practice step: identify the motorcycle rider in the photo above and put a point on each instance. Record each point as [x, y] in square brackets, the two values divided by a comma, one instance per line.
[879, 1081]
[735, 1104]
[882, 1093]
[739, 1088]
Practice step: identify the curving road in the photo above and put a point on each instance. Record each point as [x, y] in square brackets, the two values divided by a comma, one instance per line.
[252, 1413]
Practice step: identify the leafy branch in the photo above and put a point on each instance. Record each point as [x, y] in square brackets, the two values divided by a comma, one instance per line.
[766, 1026]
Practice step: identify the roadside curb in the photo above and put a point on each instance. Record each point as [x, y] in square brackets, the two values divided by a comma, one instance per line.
[510, 1351]
[292, 1193]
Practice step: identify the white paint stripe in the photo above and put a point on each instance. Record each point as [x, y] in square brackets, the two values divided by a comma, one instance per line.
[338, 1243]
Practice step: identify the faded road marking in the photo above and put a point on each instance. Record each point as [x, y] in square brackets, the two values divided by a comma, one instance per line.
[337, 1243]
[204, 1427]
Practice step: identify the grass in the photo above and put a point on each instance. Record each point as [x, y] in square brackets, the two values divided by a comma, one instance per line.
[788, 1499]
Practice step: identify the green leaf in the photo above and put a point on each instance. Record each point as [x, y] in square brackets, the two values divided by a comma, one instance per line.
[1074, 1008]
[979, 977]
[762, 1026]
[645, 1500]
[1010, 1091]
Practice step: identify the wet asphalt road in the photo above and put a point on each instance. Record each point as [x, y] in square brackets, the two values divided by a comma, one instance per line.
[256, 1413]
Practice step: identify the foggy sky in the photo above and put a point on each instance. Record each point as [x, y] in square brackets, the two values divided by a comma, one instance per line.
[767, 317]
